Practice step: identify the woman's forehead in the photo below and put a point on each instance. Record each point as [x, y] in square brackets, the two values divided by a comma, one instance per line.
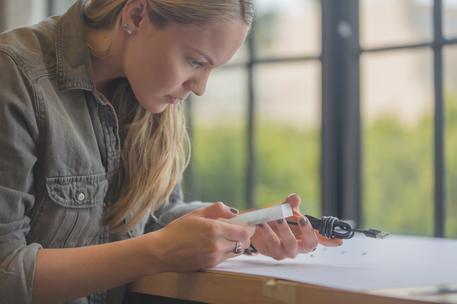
[220, 39]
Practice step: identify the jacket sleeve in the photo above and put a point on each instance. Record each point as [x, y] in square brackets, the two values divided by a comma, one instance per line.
[175, 208]
[18, 156]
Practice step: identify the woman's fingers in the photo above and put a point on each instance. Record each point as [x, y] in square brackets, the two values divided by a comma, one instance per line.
[216, 210]
[230, 248]
[268, 242]
[276, 239]
[287, 237]
[293, 200]
[205, 239]
[279, 240]
[328, 242]
[308, 238]
[235, 232]
[303, 231]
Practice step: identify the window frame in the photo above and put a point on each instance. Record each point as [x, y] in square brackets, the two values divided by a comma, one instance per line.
[342, 162]
[341, 139]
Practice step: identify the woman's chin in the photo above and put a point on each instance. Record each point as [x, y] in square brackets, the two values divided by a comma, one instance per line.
[155, 108]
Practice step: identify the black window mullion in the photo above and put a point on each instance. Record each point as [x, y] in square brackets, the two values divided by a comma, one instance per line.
[2, 15]
[251, 164]
[341, 140]
[50, 7]
[330, 188]
[439, 165]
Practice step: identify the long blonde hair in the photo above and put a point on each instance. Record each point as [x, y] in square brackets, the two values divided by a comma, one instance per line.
[155, 147]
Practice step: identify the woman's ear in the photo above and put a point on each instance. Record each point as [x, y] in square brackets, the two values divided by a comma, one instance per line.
[133, 15]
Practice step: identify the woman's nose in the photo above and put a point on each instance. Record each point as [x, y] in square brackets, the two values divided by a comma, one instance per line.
[198, 84]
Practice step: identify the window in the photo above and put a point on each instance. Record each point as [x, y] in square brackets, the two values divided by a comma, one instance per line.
[274, 144]
[386, 147]
[397, 148]
[27, 12]
[450, 18]
[351, 104]
[288, 132]
[407, 111]
[218, 137]
[21, 13]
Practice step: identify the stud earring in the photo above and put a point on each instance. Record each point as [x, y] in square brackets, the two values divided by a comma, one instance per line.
[125, 27]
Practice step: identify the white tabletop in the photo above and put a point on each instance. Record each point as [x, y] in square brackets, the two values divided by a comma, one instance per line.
[362, 264]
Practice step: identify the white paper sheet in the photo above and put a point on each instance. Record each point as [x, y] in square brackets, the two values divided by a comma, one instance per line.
[362, 264]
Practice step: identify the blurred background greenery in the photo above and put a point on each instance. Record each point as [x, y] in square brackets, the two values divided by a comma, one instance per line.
[397, 175]
[397, 113]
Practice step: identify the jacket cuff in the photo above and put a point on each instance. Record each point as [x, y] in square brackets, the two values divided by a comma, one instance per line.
[17, 272]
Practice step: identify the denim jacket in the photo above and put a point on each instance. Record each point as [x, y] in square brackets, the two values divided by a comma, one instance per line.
[59, 151]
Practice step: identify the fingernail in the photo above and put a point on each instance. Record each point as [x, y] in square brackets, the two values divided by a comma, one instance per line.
[260, 225]
[303, 221]
[292, 194]
[234, 211]
[280, 221]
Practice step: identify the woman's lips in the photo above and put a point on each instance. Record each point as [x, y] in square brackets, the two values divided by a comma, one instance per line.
[173, 99]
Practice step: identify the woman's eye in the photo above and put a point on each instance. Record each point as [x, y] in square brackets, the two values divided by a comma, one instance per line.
[194, 63]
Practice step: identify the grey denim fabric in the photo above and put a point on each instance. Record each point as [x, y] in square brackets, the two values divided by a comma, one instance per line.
[59, 152]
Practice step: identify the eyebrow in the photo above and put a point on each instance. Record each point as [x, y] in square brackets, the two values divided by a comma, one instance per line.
[210, 61]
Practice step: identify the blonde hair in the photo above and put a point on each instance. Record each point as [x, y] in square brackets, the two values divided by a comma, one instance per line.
[155, 147]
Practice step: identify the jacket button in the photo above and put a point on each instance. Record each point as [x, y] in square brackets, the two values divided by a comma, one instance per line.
[81, 196]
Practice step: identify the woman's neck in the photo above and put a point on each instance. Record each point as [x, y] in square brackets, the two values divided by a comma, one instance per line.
[105, 56]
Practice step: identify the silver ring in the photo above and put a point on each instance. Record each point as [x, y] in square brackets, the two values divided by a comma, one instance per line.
[238, 249]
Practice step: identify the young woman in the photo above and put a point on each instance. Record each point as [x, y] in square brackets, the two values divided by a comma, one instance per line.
[93, 145]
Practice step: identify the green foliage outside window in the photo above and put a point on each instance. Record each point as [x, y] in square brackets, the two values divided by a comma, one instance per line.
[451, 167]
[397, 177]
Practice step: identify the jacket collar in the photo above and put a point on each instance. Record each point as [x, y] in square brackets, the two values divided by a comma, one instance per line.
[73, 59]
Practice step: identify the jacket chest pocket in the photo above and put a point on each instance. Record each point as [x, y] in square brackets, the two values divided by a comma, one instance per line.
[70, 213]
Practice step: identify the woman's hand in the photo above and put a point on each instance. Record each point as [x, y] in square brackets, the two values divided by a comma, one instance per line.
[197, 240]
[280, 241]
